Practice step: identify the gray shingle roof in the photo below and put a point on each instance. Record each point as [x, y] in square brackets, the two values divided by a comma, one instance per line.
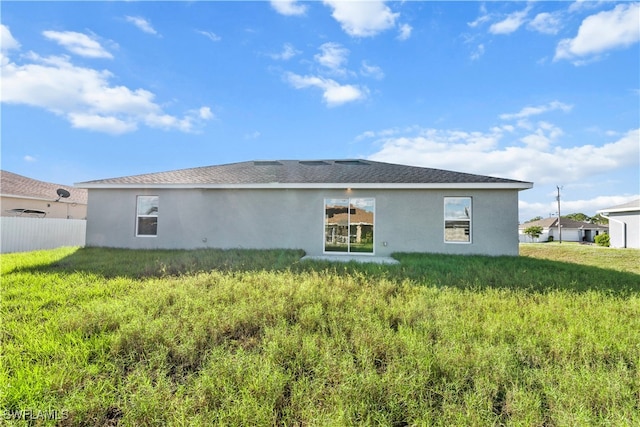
[303, 172]
[12, 184]
[566, 223]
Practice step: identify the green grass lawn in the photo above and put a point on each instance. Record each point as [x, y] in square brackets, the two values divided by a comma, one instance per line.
[118, 337]
[576, 253]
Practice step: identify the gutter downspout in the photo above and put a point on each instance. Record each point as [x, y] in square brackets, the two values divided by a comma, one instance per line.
[624, 228]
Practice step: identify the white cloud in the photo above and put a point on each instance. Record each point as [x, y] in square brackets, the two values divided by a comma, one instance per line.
[288, 52]
[98, 123]
[142, 24]
[78, 43]
[86, 98]
[533, 111]
[333, 93]
[478, 52]
[7, 42]
[371, 71]
[210, 35]
[205, 113]
[542, 136]
[434, 141]
[511, 23]
[479, 152]
[580, 5]
[333, 56]
[29, 159]
[480, 20]
[546, 23]
[616, 28]
[484, 17]
[252, 135]
[289, 7]
[332, 60]
[362, 18]
[404, 32]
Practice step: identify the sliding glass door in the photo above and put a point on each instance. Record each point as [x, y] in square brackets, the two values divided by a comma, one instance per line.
[349, 225]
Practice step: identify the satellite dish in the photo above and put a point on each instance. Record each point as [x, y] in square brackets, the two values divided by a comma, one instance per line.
[62, 193]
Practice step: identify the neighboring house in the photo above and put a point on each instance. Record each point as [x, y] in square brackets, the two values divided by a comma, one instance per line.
[40, 215]
[624, 224]
[572, 231]
[323, 207]
[26, 197]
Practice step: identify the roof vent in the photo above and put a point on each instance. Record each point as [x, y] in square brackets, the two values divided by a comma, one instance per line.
[313, 163]
[350, 162]
[267, 163]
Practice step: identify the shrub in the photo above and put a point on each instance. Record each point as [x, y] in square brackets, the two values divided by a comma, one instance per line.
[603, 240]
[550, 239]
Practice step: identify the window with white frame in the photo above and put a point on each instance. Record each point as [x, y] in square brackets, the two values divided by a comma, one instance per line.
[457, 219]
[147, 216]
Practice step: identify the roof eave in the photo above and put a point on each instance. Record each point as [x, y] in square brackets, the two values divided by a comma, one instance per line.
[621, 210]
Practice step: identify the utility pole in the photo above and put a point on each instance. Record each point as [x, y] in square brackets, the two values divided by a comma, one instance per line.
[559, 229]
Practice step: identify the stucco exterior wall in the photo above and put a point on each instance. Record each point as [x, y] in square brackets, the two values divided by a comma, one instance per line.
[616, 229]
[405, 220]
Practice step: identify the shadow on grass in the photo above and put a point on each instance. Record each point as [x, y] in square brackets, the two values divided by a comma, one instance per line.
[515, 272]
[138, 264]
[457, 271]
[482, 272]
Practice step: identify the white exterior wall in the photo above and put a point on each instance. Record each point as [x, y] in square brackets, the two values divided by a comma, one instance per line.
[617, 230]
[405, 220]
[525, 238]
[30, 234]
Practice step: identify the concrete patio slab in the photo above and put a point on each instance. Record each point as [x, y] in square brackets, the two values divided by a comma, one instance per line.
[348, 258]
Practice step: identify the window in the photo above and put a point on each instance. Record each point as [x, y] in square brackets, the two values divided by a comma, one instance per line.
[457, 219]
[147, 216]
[348, 225]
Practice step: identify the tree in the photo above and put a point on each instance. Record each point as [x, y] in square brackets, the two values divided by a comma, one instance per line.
[580, 217]
[535, 218]
[534, 231]
[599, 219]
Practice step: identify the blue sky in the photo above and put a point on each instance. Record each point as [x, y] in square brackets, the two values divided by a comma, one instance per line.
[547, 92]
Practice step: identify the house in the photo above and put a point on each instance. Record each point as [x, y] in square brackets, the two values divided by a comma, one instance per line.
[336, 207]
[40, 215]
[572, 231]
[624, 224]
[26, 197]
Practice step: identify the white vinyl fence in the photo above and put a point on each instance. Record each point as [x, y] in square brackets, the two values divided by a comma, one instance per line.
[30, 234]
